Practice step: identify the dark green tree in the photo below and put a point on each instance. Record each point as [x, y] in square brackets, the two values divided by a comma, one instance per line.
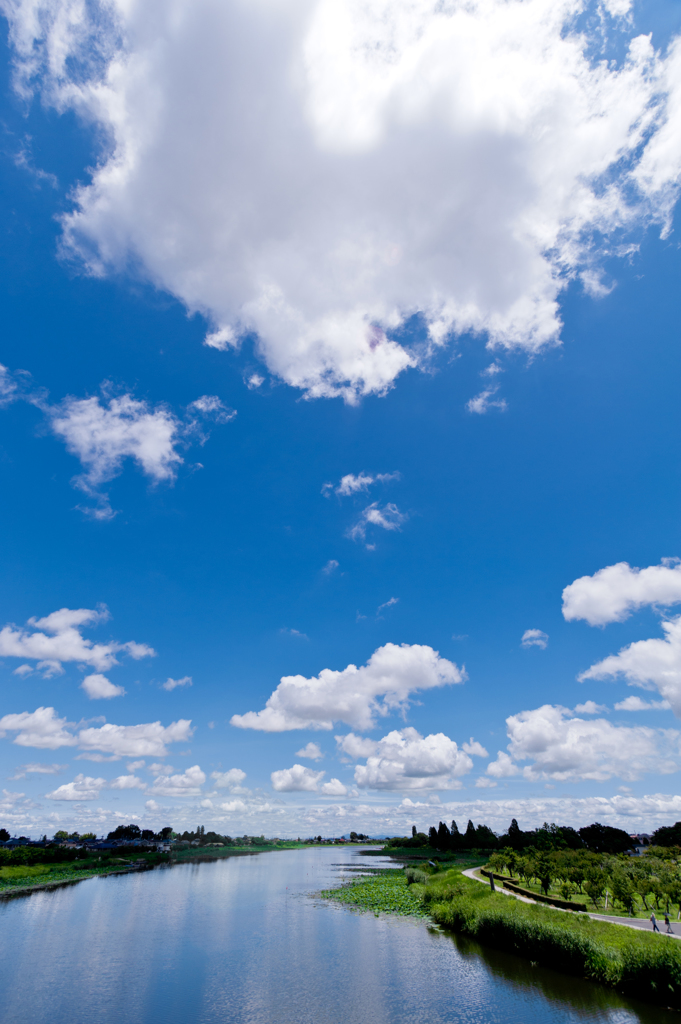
[432, 837]
[443, 837]
[4, 835]
[469, 840]
[605, 839]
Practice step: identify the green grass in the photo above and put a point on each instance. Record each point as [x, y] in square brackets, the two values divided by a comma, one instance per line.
[385, 891]
[637, 963]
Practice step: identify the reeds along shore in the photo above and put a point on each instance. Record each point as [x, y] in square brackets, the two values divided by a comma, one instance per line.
[639, 964]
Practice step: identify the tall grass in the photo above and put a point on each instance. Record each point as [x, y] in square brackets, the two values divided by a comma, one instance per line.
[640, 964]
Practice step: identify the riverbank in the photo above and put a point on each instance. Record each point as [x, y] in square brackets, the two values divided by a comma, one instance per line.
[58, 880]
[638, 964]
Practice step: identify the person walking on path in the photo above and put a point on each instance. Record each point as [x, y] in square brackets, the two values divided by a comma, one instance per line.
[654, 922]
[669, 927]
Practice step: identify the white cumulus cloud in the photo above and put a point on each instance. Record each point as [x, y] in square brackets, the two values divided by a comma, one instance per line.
[613, 593]
[355, 696]
[298, 779]
[231, 780]
[127, 782]
[188, 783]
[455, 160]
[564, 747]
[311, 751]
[652, 664]
[98, 687]
[638, 704]
[405, 760]
[149, 740]
[41, 729]
[58, 638]
[83, 787]
[36, 768]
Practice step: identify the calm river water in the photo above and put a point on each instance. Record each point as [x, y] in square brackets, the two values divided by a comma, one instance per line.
[241, 940]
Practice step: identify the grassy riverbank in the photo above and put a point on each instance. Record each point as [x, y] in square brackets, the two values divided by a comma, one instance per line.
[639, 964]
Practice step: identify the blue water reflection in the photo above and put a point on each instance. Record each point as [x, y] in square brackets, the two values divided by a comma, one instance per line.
[240, 941]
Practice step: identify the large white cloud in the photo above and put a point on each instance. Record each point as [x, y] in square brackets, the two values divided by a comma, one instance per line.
[613, 593]
[187, 783]
[58, 638]
[405, 760]
[149, 740]
[354, 695]
[318, 171]
[44, 729]
[83, 787]
[300, 779]
[41, 729]
[561, 746]
[654, 663]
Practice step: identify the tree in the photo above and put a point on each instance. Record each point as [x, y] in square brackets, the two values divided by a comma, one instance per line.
[413, 831]
[61, 836]
[125, 832]
[89, 837]
[469, 840]
[668, 835]
[515, 837]
[166, 833]
[443, 837]
[4, 835]
[485, 838]
[605, 839]
[544, 871]
[432, 837]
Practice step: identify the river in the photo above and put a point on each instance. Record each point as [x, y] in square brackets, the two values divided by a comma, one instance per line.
[241, 941]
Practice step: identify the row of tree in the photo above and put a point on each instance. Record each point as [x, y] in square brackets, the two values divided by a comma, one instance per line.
[641, 883]
[448, 838]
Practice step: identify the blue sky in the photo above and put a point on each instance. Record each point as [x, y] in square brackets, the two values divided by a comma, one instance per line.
[219, 305]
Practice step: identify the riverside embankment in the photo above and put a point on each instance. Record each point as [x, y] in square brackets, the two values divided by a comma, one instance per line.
[647, 966]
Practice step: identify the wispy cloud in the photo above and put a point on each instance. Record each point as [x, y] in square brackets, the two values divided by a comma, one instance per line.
[387, 518]
[534, 638]
[485, 401]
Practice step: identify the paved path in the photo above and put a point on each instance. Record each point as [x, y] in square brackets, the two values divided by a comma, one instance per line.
[628, 922]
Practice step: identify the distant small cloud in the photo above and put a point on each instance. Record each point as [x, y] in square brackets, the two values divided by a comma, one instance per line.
[353, 484]
[534, 638]
[312, 751]
[37, 769]
[459, 636]
[485, 401]
[484, 783]
[590, 707]
[98, 687]
[474, 748]
[388, 518]
[172, 684]
[330, 566]
[637, 704]
[387, 604]
[285, 631]
[254, 381]
[492, 370]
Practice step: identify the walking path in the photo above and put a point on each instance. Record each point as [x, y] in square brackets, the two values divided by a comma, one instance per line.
[628, 922]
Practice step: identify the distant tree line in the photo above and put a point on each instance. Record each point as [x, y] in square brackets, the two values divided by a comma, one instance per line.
[595, 838]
